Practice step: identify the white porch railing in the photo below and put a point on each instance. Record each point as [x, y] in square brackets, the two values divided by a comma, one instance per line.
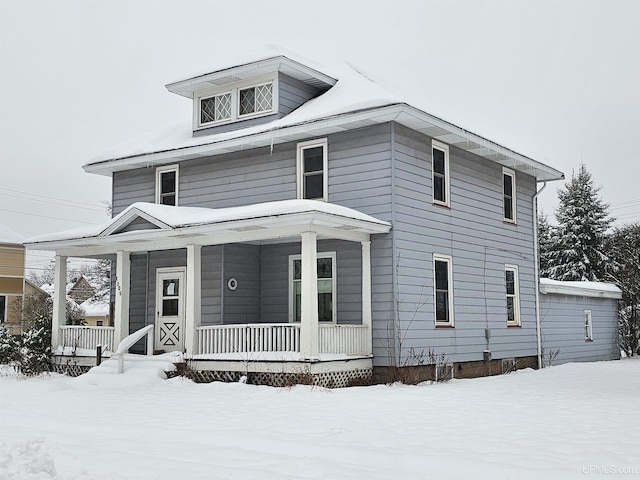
[280, 337]
[249, 338]
[345, 339]
[78, 338]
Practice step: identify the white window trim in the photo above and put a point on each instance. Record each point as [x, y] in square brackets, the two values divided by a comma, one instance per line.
[159, 172]
[512, 174]
[215, 122]
[334, 284]
[588, 325]
[449, 260]
[325, 167]
[447, 180]
[234, 89]
[261, 112]
[516, 302]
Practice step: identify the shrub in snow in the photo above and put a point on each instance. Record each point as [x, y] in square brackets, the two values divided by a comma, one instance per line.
[35, 349]
[9, 347]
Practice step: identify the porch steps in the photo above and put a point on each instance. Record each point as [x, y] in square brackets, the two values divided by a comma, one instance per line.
[139, 365]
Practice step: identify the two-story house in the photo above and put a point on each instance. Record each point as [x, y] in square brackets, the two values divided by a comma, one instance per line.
[308, 220]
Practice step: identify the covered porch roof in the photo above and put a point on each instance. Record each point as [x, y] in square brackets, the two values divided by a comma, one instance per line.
[148, 226]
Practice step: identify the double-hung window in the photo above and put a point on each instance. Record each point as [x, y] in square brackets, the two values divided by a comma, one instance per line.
[443, 290]
[167, 185]
[588, 326]
[312, 170]
[509, 195]
[440, 169]
[326, 287]
[513, 295]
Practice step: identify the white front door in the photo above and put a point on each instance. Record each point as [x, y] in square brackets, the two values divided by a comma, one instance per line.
[170, 309]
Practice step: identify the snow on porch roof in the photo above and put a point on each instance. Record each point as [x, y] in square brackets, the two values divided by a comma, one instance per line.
[355, 101]
[580, 289]
[192, 222]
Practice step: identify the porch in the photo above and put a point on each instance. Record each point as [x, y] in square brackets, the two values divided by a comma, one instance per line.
[232, 342]
[159, 264]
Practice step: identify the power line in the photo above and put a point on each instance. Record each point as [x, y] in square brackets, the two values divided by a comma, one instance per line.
[46, 216]
[49, 197]
[55, 203]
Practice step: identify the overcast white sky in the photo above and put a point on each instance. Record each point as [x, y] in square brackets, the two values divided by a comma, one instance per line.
[555, 80]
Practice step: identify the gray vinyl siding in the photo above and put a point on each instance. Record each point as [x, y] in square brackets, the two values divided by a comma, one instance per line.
[562, 325]
[473, 233]
[138, 224]
[293, 93]
[242, 262]
[384, 171]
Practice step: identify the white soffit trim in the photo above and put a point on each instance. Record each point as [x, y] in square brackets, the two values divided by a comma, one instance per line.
[580, 289]
[402, 113]
[281, 63]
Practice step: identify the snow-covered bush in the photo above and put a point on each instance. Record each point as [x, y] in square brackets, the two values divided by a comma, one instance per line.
[9, 347]
[35, 348]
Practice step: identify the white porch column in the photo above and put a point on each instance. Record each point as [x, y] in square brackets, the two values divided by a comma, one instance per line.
[366, 294]
[309, 300]
[59, 301]
[193, 298]
[121, 309]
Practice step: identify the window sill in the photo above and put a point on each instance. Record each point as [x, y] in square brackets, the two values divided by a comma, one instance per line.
[514, 325]
[441, 205]
[509, 222]
[444, 325]
[588, 340]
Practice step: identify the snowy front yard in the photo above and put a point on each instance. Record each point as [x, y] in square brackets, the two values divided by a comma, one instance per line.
[564, 422]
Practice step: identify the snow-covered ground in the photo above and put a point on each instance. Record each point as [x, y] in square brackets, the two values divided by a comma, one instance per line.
[564, 422]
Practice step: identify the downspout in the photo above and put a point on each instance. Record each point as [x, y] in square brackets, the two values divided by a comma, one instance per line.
[536, 270]
[397, 353]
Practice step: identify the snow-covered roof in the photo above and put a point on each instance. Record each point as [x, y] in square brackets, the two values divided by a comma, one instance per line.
[7, 235]
[201, 225]
[356, 100]
[95, 307]
[252, 64]
[581, 289]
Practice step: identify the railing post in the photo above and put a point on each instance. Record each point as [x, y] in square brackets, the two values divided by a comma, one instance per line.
[59, 301]
[366, 296]
[150, 341]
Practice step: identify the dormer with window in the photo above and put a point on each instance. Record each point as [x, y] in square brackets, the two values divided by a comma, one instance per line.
[250, 94]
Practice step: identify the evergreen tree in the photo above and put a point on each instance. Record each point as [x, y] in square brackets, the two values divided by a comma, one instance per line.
[623, 248]
[583, 219]
[546, 237]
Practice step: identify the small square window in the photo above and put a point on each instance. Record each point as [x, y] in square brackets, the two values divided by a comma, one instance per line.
[255, 99]
[215, 109]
